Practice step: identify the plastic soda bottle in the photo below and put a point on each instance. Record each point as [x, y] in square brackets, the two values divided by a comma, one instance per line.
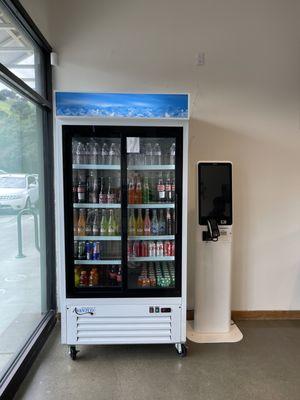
[80, 153]
[81, 222]
[112, 154]
[172, 153]
[104, 154]
[148, 154]
[156, 154]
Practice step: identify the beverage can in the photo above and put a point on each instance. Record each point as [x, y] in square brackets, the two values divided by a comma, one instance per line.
[75, 248]
[88, 250]
[81, 251]
[151, 249]
[129, 249]
[172, 248]
[167, 248]
[144, 249]
[136, 249]
[96, 251]
[159, 249]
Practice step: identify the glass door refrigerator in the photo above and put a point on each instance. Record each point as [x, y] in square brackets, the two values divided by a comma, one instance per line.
[122, 205]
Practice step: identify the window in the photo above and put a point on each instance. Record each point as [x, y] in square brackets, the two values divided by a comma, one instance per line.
[19, 54]
[27, 268]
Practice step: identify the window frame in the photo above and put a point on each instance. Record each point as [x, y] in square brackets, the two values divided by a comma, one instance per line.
[16, 372]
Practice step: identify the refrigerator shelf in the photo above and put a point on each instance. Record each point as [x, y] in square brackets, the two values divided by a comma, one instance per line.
[152, 205]
[163, 258]
[161, 237]
[97, 166]
[150, 167]
[98, 238]
[98, 262]
[93, 205]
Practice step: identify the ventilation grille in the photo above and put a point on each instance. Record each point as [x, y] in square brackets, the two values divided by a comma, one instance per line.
[122, 329]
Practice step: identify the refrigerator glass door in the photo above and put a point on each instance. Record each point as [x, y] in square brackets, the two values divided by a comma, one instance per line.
[93, 249]
[153, 171]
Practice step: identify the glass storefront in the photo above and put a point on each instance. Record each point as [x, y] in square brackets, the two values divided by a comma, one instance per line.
[27, 267]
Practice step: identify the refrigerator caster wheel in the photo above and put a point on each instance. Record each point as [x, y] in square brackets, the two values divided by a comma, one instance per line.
[73, 352]
[181, 349]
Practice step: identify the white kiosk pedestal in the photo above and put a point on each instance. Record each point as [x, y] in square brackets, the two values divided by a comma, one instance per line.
[212, 316]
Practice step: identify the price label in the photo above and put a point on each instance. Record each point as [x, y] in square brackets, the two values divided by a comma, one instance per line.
[133, 145]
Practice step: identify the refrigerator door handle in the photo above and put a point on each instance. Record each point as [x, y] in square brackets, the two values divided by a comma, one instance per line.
[176, 204]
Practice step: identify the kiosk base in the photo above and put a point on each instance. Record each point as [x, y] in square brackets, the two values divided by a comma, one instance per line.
[233, 336]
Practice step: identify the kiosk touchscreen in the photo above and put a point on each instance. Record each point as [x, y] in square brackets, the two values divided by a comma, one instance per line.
[215, 193]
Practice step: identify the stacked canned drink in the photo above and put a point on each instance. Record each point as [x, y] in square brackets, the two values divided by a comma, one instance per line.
[159, 275]
[87, 250]
[151, 248]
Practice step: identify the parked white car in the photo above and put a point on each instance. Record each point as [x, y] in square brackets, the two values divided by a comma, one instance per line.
[18, 191]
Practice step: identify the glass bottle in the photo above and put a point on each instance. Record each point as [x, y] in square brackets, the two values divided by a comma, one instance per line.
[96, 224]
[173, 188]
[81, 222]
[103, 225]
[89, 223]
[102, 194]
[147, 223]
[168, 222]
[111, 227]
[132, 224]
[75, 221]
[161, 223]
[81, 190]
[139, 223]
[154, 223]
[161, 190]
[131, 191]
[138, 199]
[146, 191]
[110, 193]
[168, 189]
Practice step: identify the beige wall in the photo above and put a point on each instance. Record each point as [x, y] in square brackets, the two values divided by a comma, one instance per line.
[244, 108]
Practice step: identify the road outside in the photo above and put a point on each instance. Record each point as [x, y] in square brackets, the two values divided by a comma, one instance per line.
[20, 286]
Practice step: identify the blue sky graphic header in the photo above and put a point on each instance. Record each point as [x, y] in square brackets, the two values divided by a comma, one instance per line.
[122, 105]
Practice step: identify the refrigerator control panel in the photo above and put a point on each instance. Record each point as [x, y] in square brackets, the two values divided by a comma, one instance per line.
[157, 310]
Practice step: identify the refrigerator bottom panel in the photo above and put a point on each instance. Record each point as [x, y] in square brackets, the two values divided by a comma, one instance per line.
[123, 324]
